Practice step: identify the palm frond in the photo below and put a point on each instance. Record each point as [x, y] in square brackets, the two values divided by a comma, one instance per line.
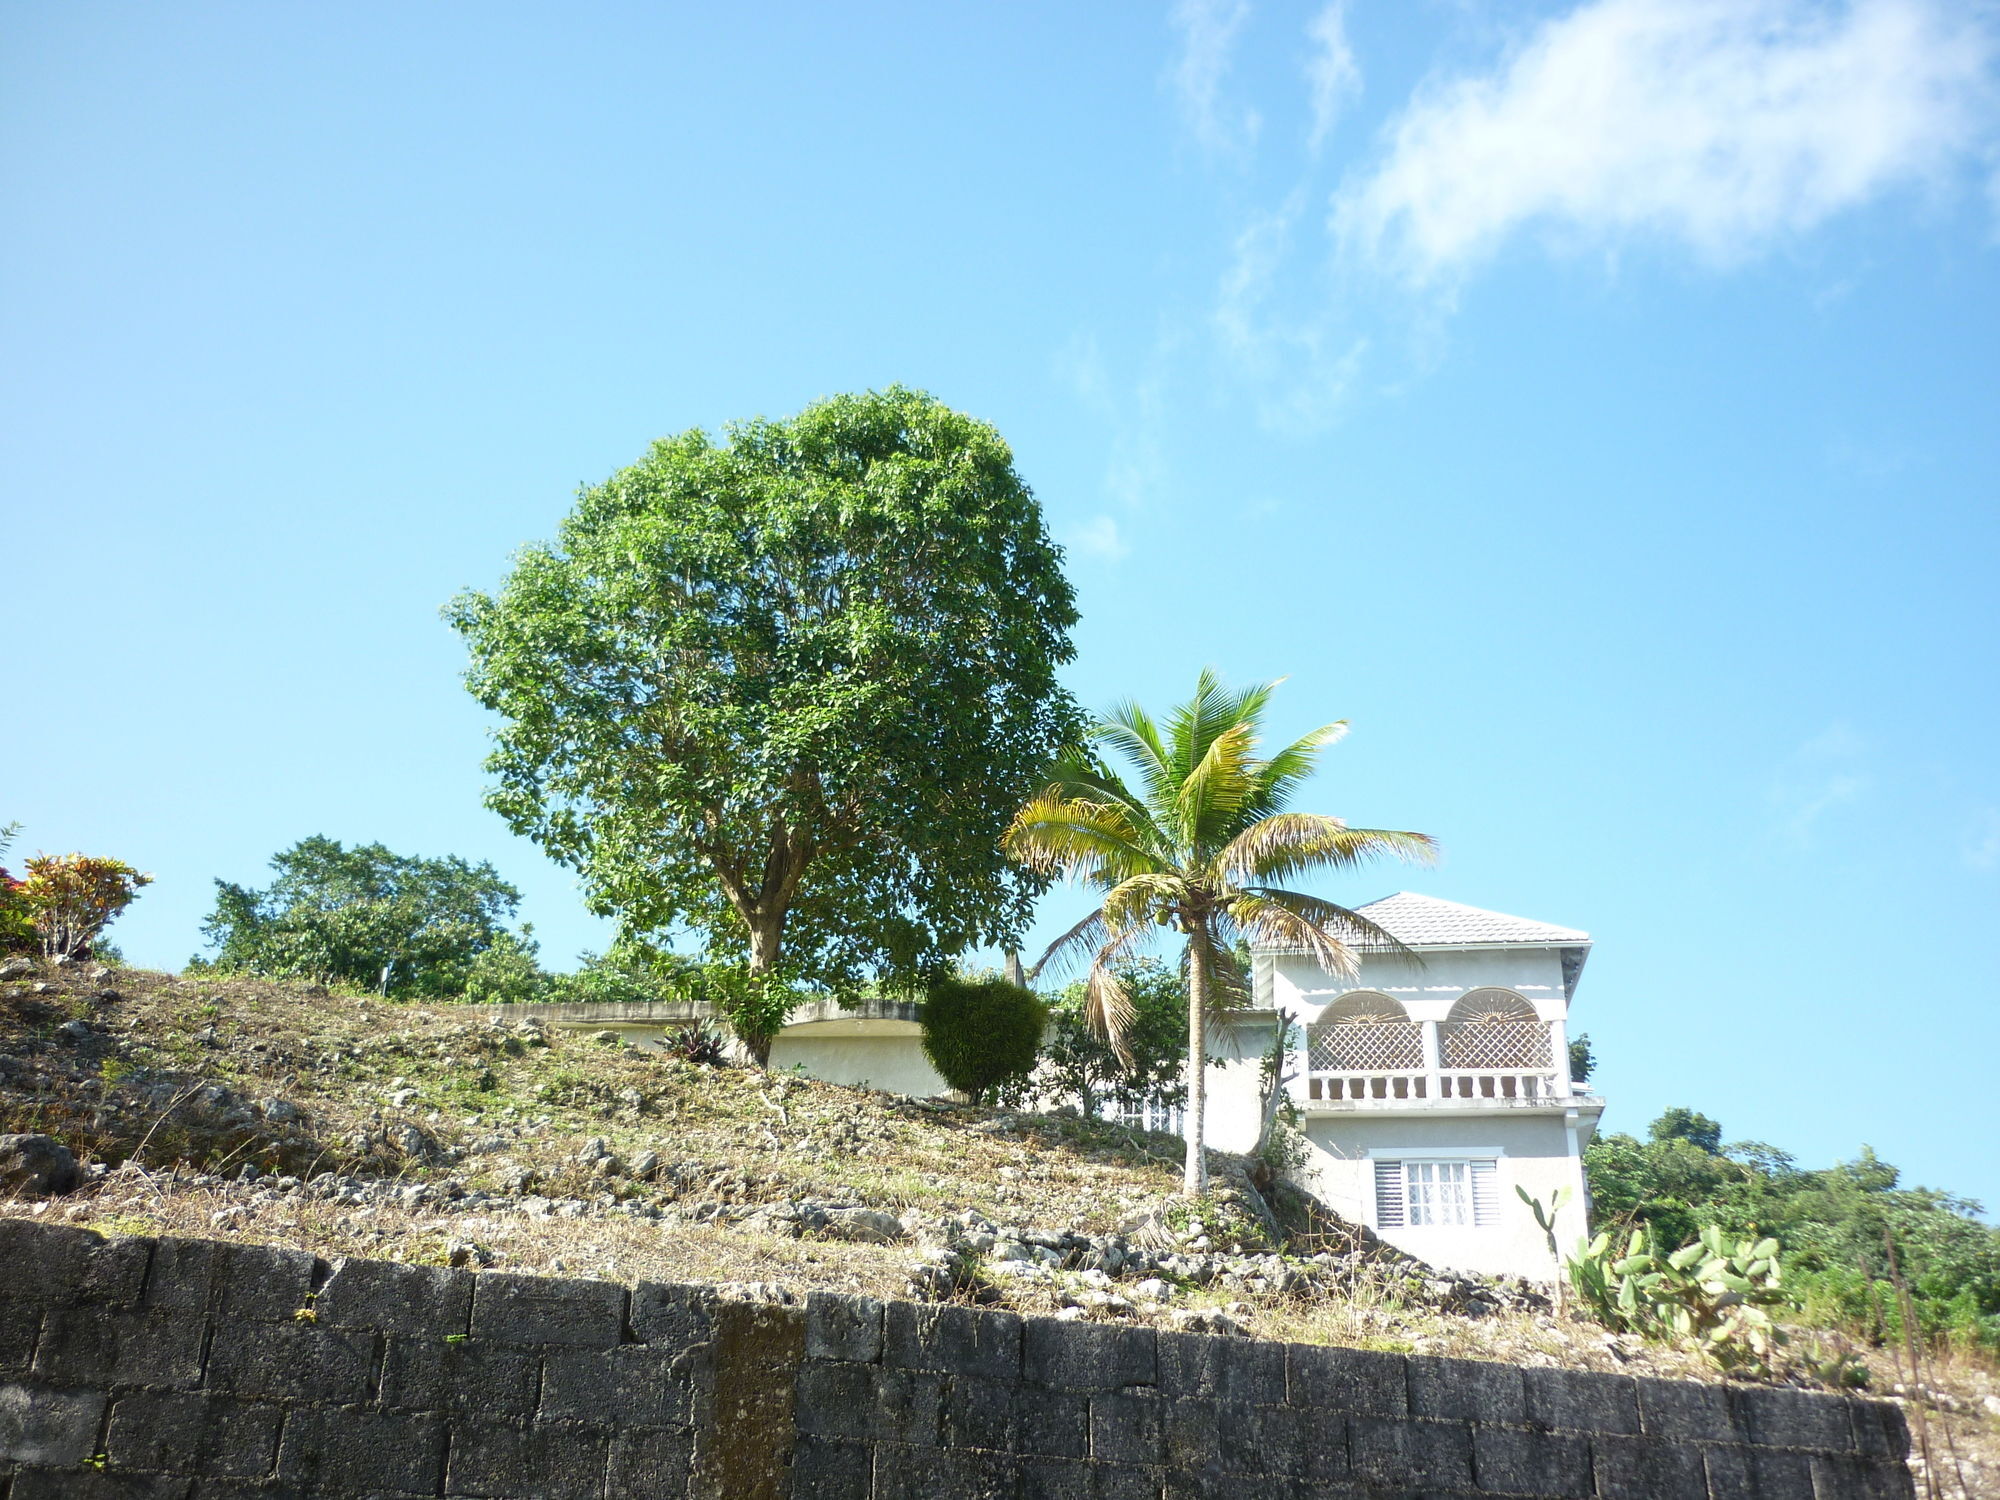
[1208, 801]
[1107, 1006]
[1212, 712]
[1140, 900]
[1273, 923]
[1099, 783]
[1286, 844]
[1065, 950]
[1291, 766]
[1058, 835]
[1130, 730]
[1344, 925]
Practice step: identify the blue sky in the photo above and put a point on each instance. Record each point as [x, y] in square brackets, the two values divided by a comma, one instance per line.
[1596, 405]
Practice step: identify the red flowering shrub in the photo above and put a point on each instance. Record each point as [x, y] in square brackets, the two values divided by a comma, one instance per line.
[71, 898]
[17, 923]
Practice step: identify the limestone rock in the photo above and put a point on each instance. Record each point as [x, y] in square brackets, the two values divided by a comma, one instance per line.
[35, 1166]
[869, 1226]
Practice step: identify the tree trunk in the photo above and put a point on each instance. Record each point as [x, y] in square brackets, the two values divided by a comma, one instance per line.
[765, 936]
[1194, 1181]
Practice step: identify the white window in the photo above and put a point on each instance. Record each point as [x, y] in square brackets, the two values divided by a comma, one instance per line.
[1429, 1192]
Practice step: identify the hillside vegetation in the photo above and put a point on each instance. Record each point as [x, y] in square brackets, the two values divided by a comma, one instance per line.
[247, 1109]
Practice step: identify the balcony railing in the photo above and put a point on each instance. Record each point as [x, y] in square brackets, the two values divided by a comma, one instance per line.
[1499, 1087]
[1497, 1064]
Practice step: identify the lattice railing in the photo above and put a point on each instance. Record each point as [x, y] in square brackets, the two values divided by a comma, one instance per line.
[1382, 1047]
[1495, 1044]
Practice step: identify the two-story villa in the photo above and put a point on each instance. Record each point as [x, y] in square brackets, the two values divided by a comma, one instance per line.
[1430, 1086]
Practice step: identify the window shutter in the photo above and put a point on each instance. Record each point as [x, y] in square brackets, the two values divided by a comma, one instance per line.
[1485, 1192]
[1388, 1195]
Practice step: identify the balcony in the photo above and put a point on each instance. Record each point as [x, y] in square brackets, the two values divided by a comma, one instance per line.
[1492, 1053]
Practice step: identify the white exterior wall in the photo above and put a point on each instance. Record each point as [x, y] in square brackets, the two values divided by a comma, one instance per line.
[887, 1055]
[1533, 1152]
[1299, 985]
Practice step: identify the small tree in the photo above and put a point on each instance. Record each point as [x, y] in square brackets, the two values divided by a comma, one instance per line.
[1078, 1063]
[981, 1033]
[72, 898]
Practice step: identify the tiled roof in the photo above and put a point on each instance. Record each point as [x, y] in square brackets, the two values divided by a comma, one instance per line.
[1427, 922]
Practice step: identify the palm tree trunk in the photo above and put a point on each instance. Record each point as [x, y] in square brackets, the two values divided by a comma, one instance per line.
[1194, 1180]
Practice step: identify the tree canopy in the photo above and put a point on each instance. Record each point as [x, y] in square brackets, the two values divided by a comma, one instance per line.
[368, 916]
[786, 689]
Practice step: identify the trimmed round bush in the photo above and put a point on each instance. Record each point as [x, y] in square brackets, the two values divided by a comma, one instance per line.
[980, 1033]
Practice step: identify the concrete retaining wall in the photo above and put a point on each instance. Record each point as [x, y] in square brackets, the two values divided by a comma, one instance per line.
[142, 1369]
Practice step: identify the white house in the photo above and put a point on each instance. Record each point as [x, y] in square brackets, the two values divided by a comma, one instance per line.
[1429, 1087]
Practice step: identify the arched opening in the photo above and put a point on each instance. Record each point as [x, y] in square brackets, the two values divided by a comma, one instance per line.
[1493, 1028]
[1358, 1045]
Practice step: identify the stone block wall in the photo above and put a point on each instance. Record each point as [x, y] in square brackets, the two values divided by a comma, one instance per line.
[192, 1370]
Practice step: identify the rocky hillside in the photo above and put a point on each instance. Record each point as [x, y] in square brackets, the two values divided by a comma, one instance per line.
[346, 1125]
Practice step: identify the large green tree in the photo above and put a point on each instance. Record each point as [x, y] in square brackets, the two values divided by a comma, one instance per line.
[786, 689]
[367, 916]
[1200, 843]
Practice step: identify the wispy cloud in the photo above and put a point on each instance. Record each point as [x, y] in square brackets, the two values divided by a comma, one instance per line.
[1720, 125]
[1333, 76]
[1208, 30]
[1820, 776]
[1982, 841]
[1134, 415]
[1298, 363]
[1099, 537]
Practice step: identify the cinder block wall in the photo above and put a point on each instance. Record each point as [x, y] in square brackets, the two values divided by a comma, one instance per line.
[148, 1369]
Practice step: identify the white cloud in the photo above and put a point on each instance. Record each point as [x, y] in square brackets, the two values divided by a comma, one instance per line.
[1722, 125]
[1819, 777]
[1982, 841]
[1332, 74]
[1298, 366]
[1208, 31]
[1098, 537]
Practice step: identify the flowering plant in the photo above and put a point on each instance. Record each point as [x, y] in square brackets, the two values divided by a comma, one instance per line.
[71, 898]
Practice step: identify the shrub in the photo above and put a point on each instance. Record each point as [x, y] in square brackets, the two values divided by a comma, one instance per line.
[1712, 1296]
[1080, 1066]
[979, 1033]
[71, 899]
[699, 1042]
[17, 923]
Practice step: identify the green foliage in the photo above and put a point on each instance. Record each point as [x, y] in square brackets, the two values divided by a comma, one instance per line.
[979, 1033]
[1080, 1064]
[1697, 1130]
[1832, 1224]
[410, 927]
[1713, 1295]
[1545, 1213]
[786, 690]
[1582, 1061]
[72, 898]
[635, 972]
[507, 970]
[702, 1043]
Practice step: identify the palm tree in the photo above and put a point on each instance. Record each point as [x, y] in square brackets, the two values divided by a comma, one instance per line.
[1204, 846]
